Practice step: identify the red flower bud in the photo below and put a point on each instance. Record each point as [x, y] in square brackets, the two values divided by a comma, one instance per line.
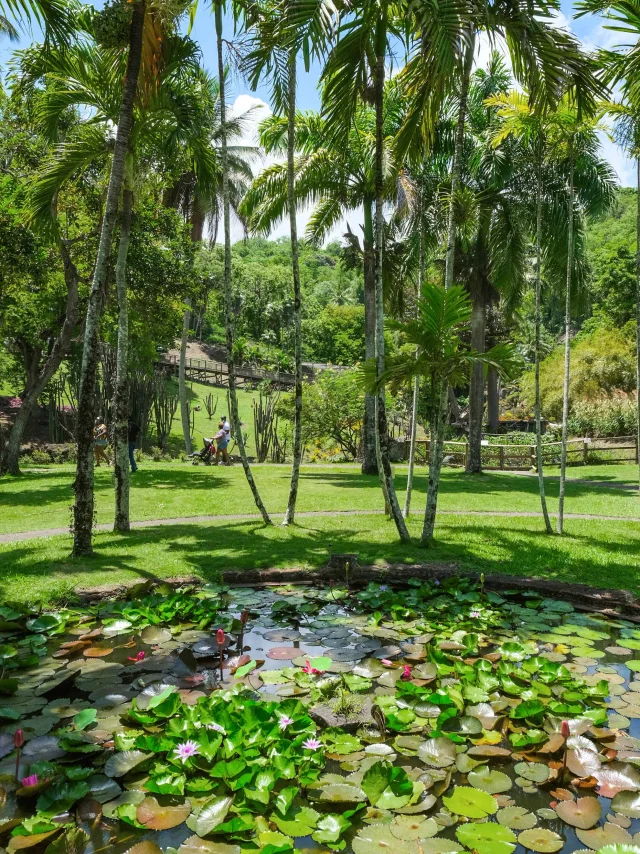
[244, 617]
[565, 730]
[18, 738]
[220, 637]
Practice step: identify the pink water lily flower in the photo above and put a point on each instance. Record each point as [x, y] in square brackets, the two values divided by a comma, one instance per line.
[186, 751]
[313, 670]
[139, 657]
[31, 780]
[406, 673]
[386, 662]
[284, 722]
[217, 728]
[311, 744]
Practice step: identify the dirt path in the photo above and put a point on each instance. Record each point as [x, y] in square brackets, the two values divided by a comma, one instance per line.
[249, 517]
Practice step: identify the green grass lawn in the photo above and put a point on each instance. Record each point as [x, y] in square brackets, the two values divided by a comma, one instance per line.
[605, 554]
[618, 473]
[41, 497]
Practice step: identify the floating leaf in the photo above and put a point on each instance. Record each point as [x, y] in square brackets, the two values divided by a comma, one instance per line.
[487, 837]
[121, 763]
[155, 635]
[627, 803]
[489, 781]
[541, 840]
[534, 771]
[608, 834]
[438, 752]
[584, 813]
[42, 749]
[195, 845]
[470, 802]
[617, 777]
[284, 653]
[517, 818]
[212, 814]
[157, 817]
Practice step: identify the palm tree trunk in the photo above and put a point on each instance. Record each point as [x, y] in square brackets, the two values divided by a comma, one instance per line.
[182, 378]
[440, 398]
[456, 166]
[386, 475]
[369, 452]
[10, 464]
[539, 460]
[567, 355]
[121, 389]
[83, 486]
[476, 387]
[228, 301]
[441, 394]
[493, 401]
[638, 317]
[416, 380]
[297, 295]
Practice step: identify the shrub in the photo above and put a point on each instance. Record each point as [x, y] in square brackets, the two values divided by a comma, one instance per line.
[607, 417]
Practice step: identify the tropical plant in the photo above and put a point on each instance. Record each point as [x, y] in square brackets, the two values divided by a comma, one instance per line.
[441, 359]
[228, 296]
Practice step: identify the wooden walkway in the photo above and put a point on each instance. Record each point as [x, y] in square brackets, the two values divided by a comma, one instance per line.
[217, 373]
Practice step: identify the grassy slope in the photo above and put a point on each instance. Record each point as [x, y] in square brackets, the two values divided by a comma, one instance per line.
[597, 553]
[41, 498]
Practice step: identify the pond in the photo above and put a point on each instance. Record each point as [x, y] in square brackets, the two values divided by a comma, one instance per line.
[427, 719]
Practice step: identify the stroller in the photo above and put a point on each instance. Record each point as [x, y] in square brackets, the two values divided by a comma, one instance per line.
[206, 455]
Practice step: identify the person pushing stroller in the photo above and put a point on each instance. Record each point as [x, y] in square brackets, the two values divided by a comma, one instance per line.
[222, 438]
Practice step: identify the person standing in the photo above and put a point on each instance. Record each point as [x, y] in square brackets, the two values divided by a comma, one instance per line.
[100, 442]
[222, 441]
[133, 435]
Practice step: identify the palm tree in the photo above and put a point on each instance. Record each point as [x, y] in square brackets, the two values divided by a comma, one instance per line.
[622, 67]
[53, 15]
[336, 178]
[441, 358]
[575, 146]
[228, 297]
[279, 34]
[87, 77]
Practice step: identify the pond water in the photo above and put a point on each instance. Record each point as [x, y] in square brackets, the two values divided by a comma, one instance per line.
[427, 719]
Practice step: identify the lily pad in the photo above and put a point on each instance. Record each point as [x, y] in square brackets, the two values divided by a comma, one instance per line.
[157, 817]
[627, 803]
[487, 837]
[541, 840]
[438, 752]
[536, 772]
[608, 834]
[490, 781]
[517, 818]
[121, 763]
[584, 813]
[471, 803]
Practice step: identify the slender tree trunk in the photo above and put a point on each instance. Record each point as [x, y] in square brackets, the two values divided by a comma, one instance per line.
[228, 301]
[10, 464]
[539, 459]
[369, 452]
[83, 486]
[476, 386]
[384, 465]
[416, 380]
[638, 317]
[439, 411]
[121, 390]
[493, 401]
[567, 354]
[456, 166]
[297, 294]
[182, 378]
[441, 395]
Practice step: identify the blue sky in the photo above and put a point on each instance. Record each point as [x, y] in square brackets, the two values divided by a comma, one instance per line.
[589, 29]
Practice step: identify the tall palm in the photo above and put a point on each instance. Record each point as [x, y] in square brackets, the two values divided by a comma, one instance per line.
[280, 32]
[622, 67]
[575, 147]
[441, 358]
[228, 296]
[337, 178]
[87, 78]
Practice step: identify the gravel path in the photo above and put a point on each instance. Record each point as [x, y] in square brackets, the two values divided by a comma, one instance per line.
[248, 517]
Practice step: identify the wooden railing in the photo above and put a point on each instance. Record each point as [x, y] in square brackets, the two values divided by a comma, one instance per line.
[219, 371]
[619, 449]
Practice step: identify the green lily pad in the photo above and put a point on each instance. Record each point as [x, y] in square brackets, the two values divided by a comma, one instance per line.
[608, 834]
[438, 752]
[470, 802]
[157, 817]
[627, 803]
[536, 772]
[487, 837]
[584, 813]
[517, 818]
[490, 781]
[121, 763]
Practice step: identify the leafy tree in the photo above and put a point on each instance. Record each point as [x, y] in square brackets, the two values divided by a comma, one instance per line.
[441, 357]
[336, 335]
